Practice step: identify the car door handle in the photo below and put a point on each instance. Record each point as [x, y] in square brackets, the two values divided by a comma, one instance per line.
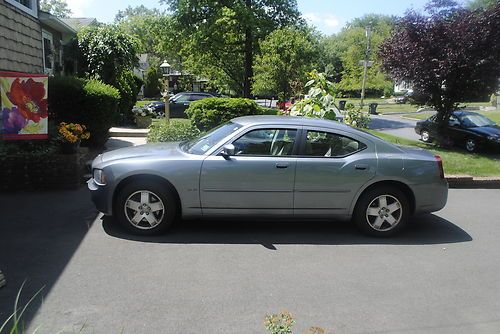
[281, 166]
[361, 167]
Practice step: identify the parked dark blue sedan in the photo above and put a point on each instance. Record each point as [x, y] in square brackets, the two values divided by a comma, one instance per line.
[470, 130]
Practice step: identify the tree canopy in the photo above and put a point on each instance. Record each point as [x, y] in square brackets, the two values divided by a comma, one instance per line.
[344, 51]
[287, 55]
[448, 56]
[219, 38]
[57, 8]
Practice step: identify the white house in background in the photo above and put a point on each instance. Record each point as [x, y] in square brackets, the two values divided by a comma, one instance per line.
[402, 87]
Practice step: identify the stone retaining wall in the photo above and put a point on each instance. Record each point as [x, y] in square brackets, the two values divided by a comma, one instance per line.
[29, 172]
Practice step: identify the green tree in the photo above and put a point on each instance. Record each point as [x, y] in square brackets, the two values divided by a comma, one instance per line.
[345, 51]
[144, 24]
[57, 8]
[107, 51]
[220, 37]
[287, 55]
[481, 4]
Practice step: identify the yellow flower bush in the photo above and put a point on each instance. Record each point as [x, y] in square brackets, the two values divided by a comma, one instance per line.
[72, 132]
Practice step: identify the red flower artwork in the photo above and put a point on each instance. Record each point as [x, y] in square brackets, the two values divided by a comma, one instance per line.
[28, 96]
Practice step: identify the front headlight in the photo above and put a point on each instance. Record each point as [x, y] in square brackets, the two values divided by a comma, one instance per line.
[494, 138]
[99, 177]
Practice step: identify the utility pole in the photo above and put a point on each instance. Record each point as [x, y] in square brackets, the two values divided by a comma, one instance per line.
[365, 64]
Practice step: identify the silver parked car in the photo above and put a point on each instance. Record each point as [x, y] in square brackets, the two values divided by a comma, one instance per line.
[270, 166]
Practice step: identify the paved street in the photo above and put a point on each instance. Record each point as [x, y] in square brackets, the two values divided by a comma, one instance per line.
[441, 276]
[394, 125]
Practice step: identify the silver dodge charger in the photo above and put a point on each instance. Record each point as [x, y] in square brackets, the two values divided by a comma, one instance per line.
[270, 166]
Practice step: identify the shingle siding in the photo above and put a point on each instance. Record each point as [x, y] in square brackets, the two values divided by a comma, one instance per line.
[20, 41]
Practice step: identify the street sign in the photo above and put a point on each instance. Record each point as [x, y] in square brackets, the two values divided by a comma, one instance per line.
[369, 63]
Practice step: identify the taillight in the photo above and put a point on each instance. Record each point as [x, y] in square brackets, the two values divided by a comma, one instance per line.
[440, 165]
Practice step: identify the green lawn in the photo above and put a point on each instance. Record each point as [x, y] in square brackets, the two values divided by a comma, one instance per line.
[143, 102]
[455, 162]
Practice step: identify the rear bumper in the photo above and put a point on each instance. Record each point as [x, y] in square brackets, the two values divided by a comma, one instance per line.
[430, 197]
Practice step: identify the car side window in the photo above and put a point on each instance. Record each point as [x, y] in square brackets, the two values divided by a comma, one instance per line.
[196, 97]
[325, 144]
[453, 121]
[182, 98]
[266, 142]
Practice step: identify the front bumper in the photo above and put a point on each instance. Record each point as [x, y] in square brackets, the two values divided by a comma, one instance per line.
[100, 197]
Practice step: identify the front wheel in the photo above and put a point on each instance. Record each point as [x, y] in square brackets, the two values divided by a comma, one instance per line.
[145, 208]
[382, 211]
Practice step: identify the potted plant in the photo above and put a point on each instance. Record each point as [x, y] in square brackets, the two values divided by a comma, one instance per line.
[70, 136]
[143, 117]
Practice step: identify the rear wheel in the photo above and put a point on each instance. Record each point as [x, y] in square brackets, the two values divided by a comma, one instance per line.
[471, 145]
[382, 211]
[145, 208]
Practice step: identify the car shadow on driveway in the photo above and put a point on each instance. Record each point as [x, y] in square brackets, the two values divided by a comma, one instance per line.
[423, 230]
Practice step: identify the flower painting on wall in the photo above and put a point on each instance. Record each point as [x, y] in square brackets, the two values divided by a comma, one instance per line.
[23, 100]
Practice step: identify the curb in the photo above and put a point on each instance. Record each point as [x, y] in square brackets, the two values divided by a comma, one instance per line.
[469, 182]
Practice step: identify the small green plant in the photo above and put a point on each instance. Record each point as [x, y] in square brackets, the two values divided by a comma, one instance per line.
[281, 323]
[355, 117]
[175, 130]
[320, 99]
[14, 321]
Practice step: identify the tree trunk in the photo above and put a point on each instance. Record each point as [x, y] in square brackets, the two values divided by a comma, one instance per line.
[247, 84]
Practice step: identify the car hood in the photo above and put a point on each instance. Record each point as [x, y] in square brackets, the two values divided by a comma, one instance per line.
[487, 130]
[160, 150]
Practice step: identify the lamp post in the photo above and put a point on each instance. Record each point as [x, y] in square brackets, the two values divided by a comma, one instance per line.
[366, 64]
[165, 71]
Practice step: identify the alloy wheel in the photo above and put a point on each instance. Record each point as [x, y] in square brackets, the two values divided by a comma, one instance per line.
[144, 209]
[384, 213]
[470, 145]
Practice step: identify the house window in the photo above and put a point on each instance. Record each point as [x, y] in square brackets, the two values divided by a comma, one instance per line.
[28, 6]
[48, 52]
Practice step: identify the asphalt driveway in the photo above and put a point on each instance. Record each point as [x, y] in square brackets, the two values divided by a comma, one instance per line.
[441, 276]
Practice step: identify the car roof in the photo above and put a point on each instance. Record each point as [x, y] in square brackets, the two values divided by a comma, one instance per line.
[464, 113]
[290, 120]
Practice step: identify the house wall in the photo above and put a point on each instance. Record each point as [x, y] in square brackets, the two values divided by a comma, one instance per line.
[20, 41]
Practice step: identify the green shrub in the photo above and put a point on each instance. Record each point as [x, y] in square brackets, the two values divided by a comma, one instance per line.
[152, 82]
[129, 86]
[66, 97]
[268, 111]
[175, 130]
[209, 113]
[88, 102]
[100, 105]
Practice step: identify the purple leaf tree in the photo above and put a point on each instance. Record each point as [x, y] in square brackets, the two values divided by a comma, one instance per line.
[449, 56]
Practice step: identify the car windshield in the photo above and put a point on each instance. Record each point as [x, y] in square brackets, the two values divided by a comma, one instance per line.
[176, 96]
[207, 140]
[475, 120]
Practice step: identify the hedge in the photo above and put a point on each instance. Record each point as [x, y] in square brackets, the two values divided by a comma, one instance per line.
[208, 113]
[175, 130]
[88, 102]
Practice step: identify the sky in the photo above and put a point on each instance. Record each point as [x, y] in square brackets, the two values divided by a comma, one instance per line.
[329, 16]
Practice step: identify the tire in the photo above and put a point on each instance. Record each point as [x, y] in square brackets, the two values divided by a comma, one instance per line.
[425, 136]
[374, 217]
[146, 208]
[471, 145]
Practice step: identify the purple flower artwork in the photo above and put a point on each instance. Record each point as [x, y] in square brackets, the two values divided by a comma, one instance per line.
[13, 121]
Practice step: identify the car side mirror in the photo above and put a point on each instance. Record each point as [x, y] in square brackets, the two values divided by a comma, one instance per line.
[228, 151]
